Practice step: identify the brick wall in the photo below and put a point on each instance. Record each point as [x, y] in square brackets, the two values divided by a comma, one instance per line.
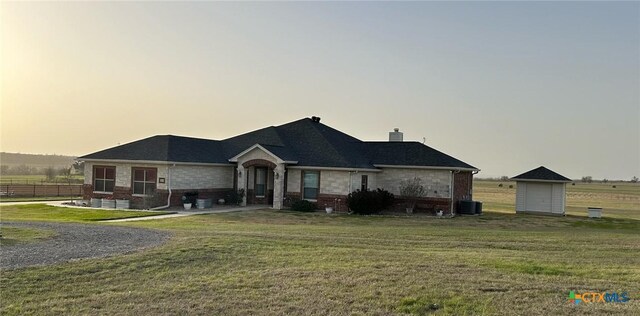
[424, 205]
[462, 187]
[434, 180]
[337, 201]
[189, 177]
[294, 176]
[123, 172]
[208, 193]
[334, 182]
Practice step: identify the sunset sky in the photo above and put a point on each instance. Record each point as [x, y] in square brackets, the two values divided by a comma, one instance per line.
[504, 86]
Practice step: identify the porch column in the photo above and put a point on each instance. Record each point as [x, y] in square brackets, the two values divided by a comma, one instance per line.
[278, 186]
[242, 183]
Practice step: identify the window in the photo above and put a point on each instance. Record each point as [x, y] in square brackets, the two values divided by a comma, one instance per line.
[365, 183]
[261, 180]
[310, 182]
[104, 179]
[144, 181]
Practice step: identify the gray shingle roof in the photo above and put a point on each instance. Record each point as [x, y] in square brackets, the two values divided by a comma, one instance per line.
[305, 141]
[542, 173]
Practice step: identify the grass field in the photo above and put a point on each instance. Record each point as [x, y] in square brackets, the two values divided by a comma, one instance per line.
[42, 212]
[623, 201]
[38, 198]
[280, 262]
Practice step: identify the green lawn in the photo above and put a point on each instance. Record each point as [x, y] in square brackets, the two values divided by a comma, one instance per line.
[20, 235]
[43, 212]
[38, 198]
[279, 262]
[623, 201]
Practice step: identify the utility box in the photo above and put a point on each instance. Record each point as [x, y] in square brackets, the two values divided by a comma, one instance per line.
[595, 212]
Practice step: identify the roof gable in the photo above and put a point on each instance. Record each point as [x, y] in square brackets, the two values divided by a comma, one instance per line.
[542, 173]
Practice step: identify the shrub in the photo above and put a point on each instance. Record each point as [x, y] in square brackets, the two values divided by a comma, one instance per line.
[234, 197]
[369, 202]
[303, 206]
[190, 197]
[386, 198]
[412, 190]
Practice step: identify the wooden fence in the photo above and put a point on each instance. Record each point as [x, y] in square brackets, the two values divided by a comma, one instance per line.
[21, 190]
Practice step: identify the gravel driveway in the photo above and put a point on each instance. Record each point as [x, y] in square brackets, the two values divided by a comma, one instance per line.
[77, 241]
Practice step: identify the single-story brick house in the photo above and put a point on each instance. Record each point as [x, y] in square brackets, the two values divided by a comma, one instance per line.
[304, 159]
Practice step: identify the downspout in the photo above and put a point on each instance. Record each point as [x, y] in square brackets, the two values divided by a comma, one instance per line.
[453, 188]
[169, 188]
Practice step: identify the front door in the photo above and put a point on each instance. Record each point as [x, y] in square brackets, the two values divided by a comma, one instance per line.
[260, 189]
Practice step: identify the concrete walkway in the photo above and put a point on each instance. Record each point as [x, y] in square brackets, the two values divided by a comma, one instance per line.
[153, 214]
[180, 212]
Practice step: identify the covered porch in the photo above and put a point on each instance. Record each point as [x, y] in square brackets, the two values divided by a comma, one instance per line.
[262, 176]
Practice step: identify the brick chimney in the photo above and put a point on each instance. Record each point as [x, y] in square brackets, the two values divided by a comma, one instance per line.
[396, 135]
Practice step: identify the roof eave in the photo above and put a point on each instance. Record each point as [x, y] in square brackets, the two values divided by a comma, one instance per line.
[540, 180]
[335, 168]
[155, 162]
[426, 167]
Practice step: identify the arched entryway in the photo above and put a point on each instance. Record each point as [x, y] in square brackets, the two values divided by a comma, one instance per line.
[259, 181]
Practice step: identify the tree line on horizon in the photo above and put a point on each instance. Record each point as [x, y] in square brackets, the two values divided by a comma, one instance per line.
[584, 179]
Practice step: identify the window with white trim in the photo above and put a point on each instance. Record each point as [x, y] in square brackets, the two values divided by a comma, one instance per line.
[310, 185]
[104, 179]
[144, 180]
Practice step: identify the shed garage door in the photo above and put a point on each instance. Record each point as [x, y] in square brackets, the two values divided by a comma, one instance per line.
[539, 197]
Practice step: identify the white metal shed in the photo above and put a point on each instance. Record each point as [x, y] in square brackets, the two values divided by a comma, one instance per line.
[541, 191]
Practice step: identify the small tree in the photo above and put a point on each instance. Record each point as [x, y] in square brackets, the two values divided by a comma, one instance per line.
[634, 179]
[50, 173]
[587, 179]
[412, 190]
[78, 166]
[504, 178]
[605, 180]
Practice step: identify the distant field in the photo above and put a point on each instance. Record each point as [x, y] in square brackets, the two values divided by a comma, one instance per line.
[35, 160]
[38, 179]
[623, 201]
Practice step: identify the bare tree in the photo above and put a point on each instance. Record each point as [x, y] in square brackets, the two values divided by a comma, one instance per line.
[634, 179]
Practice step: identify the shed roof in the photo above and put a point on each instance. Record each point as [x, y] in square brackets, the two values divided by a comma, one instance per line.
[541, 174]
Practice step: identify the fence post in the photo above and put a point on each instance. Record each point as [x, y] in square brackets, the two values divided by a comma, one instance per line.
[58, 190]
[34, 190]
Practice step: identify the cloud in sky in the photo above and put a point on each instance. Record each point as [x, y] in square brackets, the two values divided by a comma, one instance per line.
[503, 86]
